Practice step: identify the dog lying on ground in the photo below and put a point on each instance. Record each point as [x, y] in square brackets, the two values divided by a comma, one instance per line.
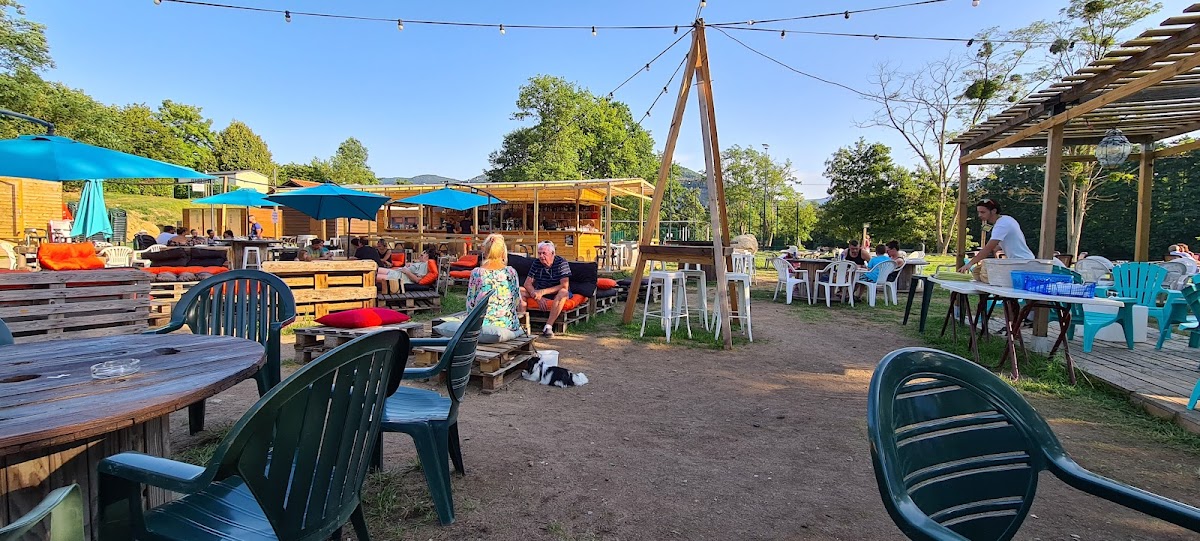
[548, 373]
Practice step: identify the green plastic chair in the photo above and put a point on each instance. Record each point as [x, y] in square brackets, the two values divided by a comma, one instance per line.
[431, 418]
[64, 506]
[292, 468]
[6, 337]
[249, 304]
[957, 452]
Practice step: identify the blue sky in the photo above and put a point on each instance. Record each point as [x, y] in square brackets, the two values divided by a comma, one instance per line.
[439, 99]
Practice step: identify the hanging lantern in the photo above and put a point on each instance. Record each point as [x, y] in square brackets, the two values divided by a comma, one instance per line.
[1113, 149]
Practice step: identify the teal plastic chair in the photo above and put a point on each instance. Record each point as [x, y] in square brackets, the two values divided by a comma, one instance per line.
[292, 468]
[249, 304]
[6, 337]
[64, 506]
[432, 418]
[1092, 321]
[1142, 282]
[1184, 315]
[957, 452]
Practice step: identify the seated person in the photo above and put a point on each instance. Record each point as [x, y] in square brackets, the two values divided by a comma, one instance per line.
[412, 273]
[548, 284]
[179, 240]
[385, 253]
[884, 252]
[363, 250]
[164, 238]
[1175, 252]
[228, 234]
[314, 251]
[212, 235]
[495, 276]
[856, 254]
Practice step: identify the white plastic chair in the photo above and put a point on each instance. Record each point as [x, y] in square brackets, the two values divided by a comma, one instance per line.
[917, 255]
[790, 278]
[741, 284]
[1177, 274]
[139, 261]
[10, 252]
[883, 269]
[1093, 268]
[838, 275]
[743, 263]
[59, 230]
[247, 262]
[117, 256]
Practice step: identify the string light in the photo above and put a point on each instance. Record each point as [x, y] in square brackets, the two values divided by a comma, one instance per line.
[703, 4]
[647, 67]
[158, 2]
[287, 16]
[399, 24]
[593, 31]
[676, 30]
[782, 34]
[501, 30]
[877, 36]
[974, 3]
[847, 14]
[970, 42]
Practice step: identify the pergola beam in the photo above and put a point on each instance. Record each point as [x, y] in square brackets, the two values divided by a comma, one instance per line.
[1141, 243]
[1096, 83]
[1177, 149]
[1058, 120]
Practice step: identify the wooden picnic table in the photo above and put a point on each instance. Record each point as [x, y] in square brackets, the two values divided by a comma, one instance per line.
[57, 422]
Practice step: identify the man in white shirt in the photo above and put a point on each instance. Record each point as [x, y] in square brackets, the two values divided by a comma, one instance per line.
[1006, 235]
[168, 233]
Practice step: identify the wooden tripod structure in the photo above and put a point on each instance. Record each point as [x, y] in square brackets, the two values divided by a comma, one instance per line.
[719, 253]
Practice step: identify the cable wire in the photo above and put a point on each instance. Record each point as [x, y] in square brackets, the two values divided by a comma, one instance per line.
[664, 90]
[844, 13]
[652, 60]
[879, 36]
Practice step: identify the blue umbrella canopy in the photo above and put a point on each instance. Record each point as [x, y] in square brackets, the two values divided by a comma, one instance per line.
[451, 199]
[51, 157]
[245, 197]
[332, 201]
[92, 216]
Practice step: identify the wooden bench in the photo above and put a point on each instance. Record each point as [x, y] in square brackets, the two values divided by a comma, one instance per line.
[495, 364]
[54, 305]
[312, 342]
[321, 287]
[411, 301]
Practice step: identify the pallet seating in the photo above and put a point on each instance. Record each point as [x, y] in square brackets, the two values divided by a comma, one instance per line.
[495, 364]
[312, 342]
[583, 287]
[56, 305]
[321, 287]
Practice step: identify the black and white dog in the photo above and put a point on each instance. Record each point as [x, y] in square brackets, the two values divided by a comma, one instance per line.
[549, 373]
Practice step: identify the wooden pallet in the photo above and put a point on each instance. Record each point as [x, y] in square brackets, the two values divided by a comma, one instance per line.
[163, 297]
[495, 364]
[583, 312]
[56, 305]
[412, 301]
[322, 287]
[604, 304]
[312, 342]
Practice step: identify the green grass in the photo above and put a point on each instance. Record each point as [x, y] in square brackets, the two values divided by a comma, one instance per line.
[202, 449]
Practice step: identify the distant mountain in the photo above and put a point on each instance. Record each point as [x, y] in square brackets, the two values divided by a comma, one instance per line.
[419, 179]
[820, 202]
[478, 178]
[393, 180]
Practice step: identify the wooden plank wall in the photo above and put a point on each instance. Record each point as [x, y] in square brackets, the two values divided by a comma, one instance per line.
[56, 305]
[28, 203]
[321, 287]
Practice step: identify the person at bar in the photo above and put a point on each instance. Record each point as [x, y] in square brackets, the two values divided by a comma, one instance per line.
[1006, 235]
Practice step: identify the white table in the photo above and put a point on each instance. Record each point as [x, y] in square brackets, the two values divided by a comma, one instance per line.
[1015, 314]
[960, 298]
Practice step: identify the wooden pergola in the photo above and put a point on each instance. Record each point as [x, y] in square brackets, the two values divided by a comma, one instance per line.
[1149, 88]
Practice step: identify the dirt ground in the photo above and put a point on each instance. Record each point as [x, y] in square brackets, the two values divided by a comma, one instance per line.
[767, 441]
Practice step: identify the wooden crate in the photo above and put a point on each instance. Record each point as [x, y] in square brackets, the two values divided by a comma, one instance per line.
[321, 287]
[163, 297]
[412, 301]
[55, 305]
[312, 342]
[495, 364]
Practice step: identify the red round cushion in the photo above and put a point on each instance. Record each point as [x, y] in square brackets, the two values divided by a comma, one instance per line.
[352, 319]
[605, 283]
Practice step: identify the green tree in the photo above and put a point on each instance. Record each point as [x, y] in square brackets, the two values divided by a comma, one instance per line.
[23, 42]
[574, 135]
[756, 187]
[349, 164]
[192, 133]
[317, 170]
[866, 186]
[237, 147]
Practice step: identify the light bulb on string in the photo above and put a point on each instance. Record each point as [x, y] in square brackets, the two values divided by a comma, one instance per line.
[970, 42]
[782, 34]
[399, 24]
[157, 2]
[974, 3]
[702, 4]
[676, 30]
[876, 37]
[847, 14]
[647, 67]
[287, 16]
[750, 22]
[593, 31]
[501, 30]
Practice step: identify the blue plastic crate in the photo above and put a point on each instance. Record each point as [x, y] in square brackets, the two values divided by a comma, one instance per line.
[1060, 288]
[1019, 278]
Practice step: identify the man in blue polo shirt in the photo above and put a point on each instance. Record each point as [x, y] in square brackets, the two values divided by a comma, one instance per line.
[548, 285]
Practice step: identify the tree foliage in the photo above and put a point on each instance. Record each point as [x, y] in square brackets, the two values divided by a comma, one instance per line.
[574, 135]
[866, 186]
[349, 164]
[761, 198]
[23, 42]
[238, 148]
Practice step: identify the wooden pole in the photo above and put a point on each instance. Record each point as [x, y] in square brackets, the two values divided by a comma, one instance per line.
[712, 164]
[960, 246]
[651, 225]
[537, 224]
[1141, 250]
[1050, 191]
[420, 228]
[608, 225]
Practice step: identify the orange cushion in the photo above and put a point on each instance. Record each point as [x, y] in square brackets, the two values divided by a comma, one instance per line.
[69, 256]
[460, 274]
[431, 276]
[574, 302]
[362, 317]
[605, 283]
[469, 260]
[544, 304]
[397, 259]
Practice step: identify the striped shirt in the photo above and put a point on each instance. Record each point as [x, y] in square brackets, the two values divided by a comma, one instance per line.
[545, 277]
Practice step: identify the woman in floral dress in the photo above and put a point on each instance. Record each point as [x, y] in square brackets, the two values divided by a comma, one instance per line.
[496, 276]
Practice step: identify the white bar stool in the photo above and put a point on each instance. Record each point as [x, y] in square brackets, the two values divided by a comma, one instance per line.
[674, 302]
[692, 271]
[742, 283]
[246, 263]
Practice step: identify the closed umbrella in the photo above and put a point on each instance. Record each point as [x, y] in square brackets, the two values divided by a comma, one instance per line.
[330, 201]
[91, 217]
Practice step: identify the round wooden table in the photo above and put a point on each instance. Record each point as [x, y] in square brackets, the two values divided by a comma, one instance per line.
[57, 422]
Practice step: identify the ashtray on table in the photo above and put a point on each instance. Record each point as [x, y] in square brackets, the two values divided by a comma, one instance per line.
[115, 369]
